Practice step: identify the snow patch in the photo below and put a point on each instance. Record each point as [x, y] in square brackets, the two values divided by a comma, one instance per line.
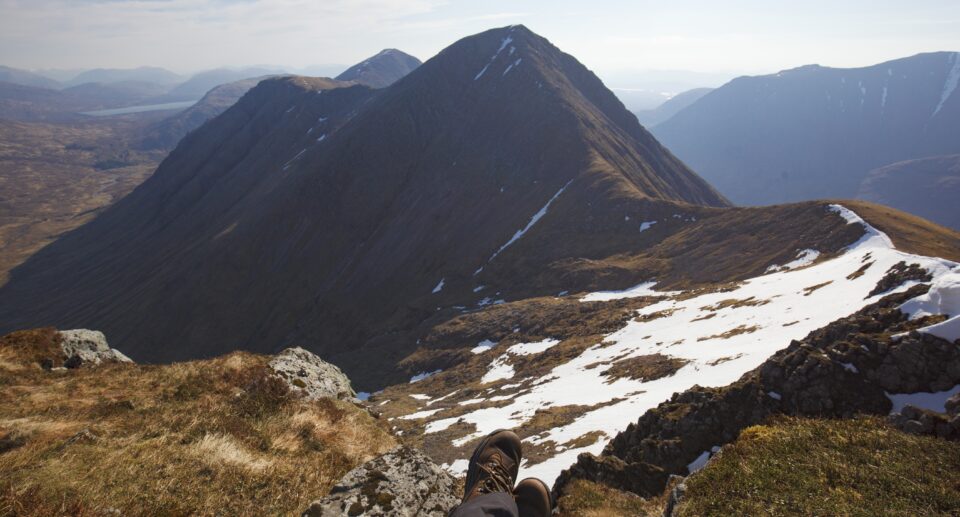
[804, 258]
[533, 220]
[644, 226]
[483, 346]
[503, 44]
[363, 395]
[644, 289]
[950, 84]
[498, 369]
[420, 414]
[930, 401]
[774, 395]
[423, 375]
[872, 238]
[515, 63]
[420, 396]
[532, 348]
[698, 463]
[942, 298]
[439, 287]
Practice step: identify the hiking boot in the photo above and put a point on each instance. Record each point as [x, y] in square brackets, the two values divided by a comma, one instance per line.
[494, 465]
[533, 498]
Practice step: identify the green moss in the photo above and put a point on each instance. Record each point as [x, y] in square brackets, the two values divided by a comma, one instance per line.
[828, 467]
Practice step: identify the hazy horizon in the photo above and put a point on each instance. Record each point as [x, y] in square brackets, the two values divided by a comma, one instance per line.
[613, 36]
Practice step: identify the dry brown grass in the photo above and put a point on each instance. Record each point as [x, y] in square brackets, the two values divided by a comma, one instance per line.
[807, 291]
[200, 438]
[645, 367]
[733, 303]
[741, 329]
[859, 272]
[583, 498]
[909, 233]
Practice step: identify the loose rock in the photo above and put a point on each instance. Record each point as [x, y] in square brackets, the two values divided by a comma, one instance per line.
[403, 482]
[88, 347]
[305, 373]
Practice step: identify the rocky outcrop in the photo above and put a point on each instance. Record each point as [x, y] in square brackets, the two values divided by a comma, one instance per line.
[845, 368]
[88, 347]
[305, 373]
[898, 274]
[402, 482]
[914, 420]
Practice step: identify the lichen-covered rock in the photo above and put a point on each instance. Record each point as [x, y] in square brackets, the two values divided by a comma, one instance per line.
[82, 346]
[305, 373]
[402, 482]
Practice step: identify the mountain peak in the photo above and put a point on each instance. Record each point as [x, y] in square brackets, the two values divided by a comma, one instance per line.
[381, 70]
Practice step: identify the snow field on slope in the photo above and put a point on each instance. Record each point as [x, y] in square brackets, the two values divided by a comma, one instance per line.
[794, 303]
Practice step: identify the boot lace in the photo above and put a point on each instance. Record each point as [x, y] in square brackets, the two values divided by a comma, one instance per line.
[498, 479]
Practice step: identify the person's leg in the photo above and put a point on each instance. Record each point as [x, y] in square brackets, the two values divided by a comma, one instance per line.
[498, 504]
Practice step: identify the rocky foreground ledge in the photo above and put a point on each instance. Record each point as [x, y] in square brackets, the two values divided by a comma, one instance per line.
[855, 365]
[241, 434]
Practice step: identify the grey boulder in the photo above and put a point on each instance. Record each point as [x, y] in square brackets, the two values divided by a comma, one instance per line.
[305, 373]
[82, 346]
[403, 482]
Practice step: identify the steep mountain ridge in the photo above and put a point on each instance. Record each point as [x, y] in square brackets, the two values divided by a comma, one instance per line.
[325, 215]
[814, 132]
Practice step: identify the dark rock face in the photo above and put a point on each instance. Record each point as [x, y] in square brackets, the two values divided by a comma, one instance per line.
[843, 369]
[402, 482]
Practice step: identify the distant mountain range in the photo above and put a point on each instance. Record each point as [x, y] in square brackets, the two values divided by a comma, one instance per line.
[145, 74]
[815, 132]
[199, 84]
[671, 107]
[26, 78]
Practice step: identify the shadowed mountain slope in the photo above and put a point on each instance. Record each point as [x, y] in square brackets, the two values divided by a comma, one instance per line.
[815, 132]
[928, 187]
[338, 217]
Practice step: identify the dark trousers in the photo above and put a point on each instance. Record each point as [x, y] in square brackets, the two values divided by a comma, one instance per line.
[498, 504]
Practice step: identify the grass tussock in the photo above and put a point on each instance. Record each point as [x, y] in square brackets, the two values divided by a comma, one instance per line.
[583, 498]
[828, 467]
[220, 436]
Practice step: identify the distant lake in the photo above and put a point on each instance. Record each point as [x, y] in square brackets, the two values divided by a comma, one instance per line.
[140, 109]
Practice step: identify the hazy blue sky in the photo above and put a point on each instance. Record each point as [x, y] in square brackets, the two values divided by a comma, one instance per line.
[607, 35]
